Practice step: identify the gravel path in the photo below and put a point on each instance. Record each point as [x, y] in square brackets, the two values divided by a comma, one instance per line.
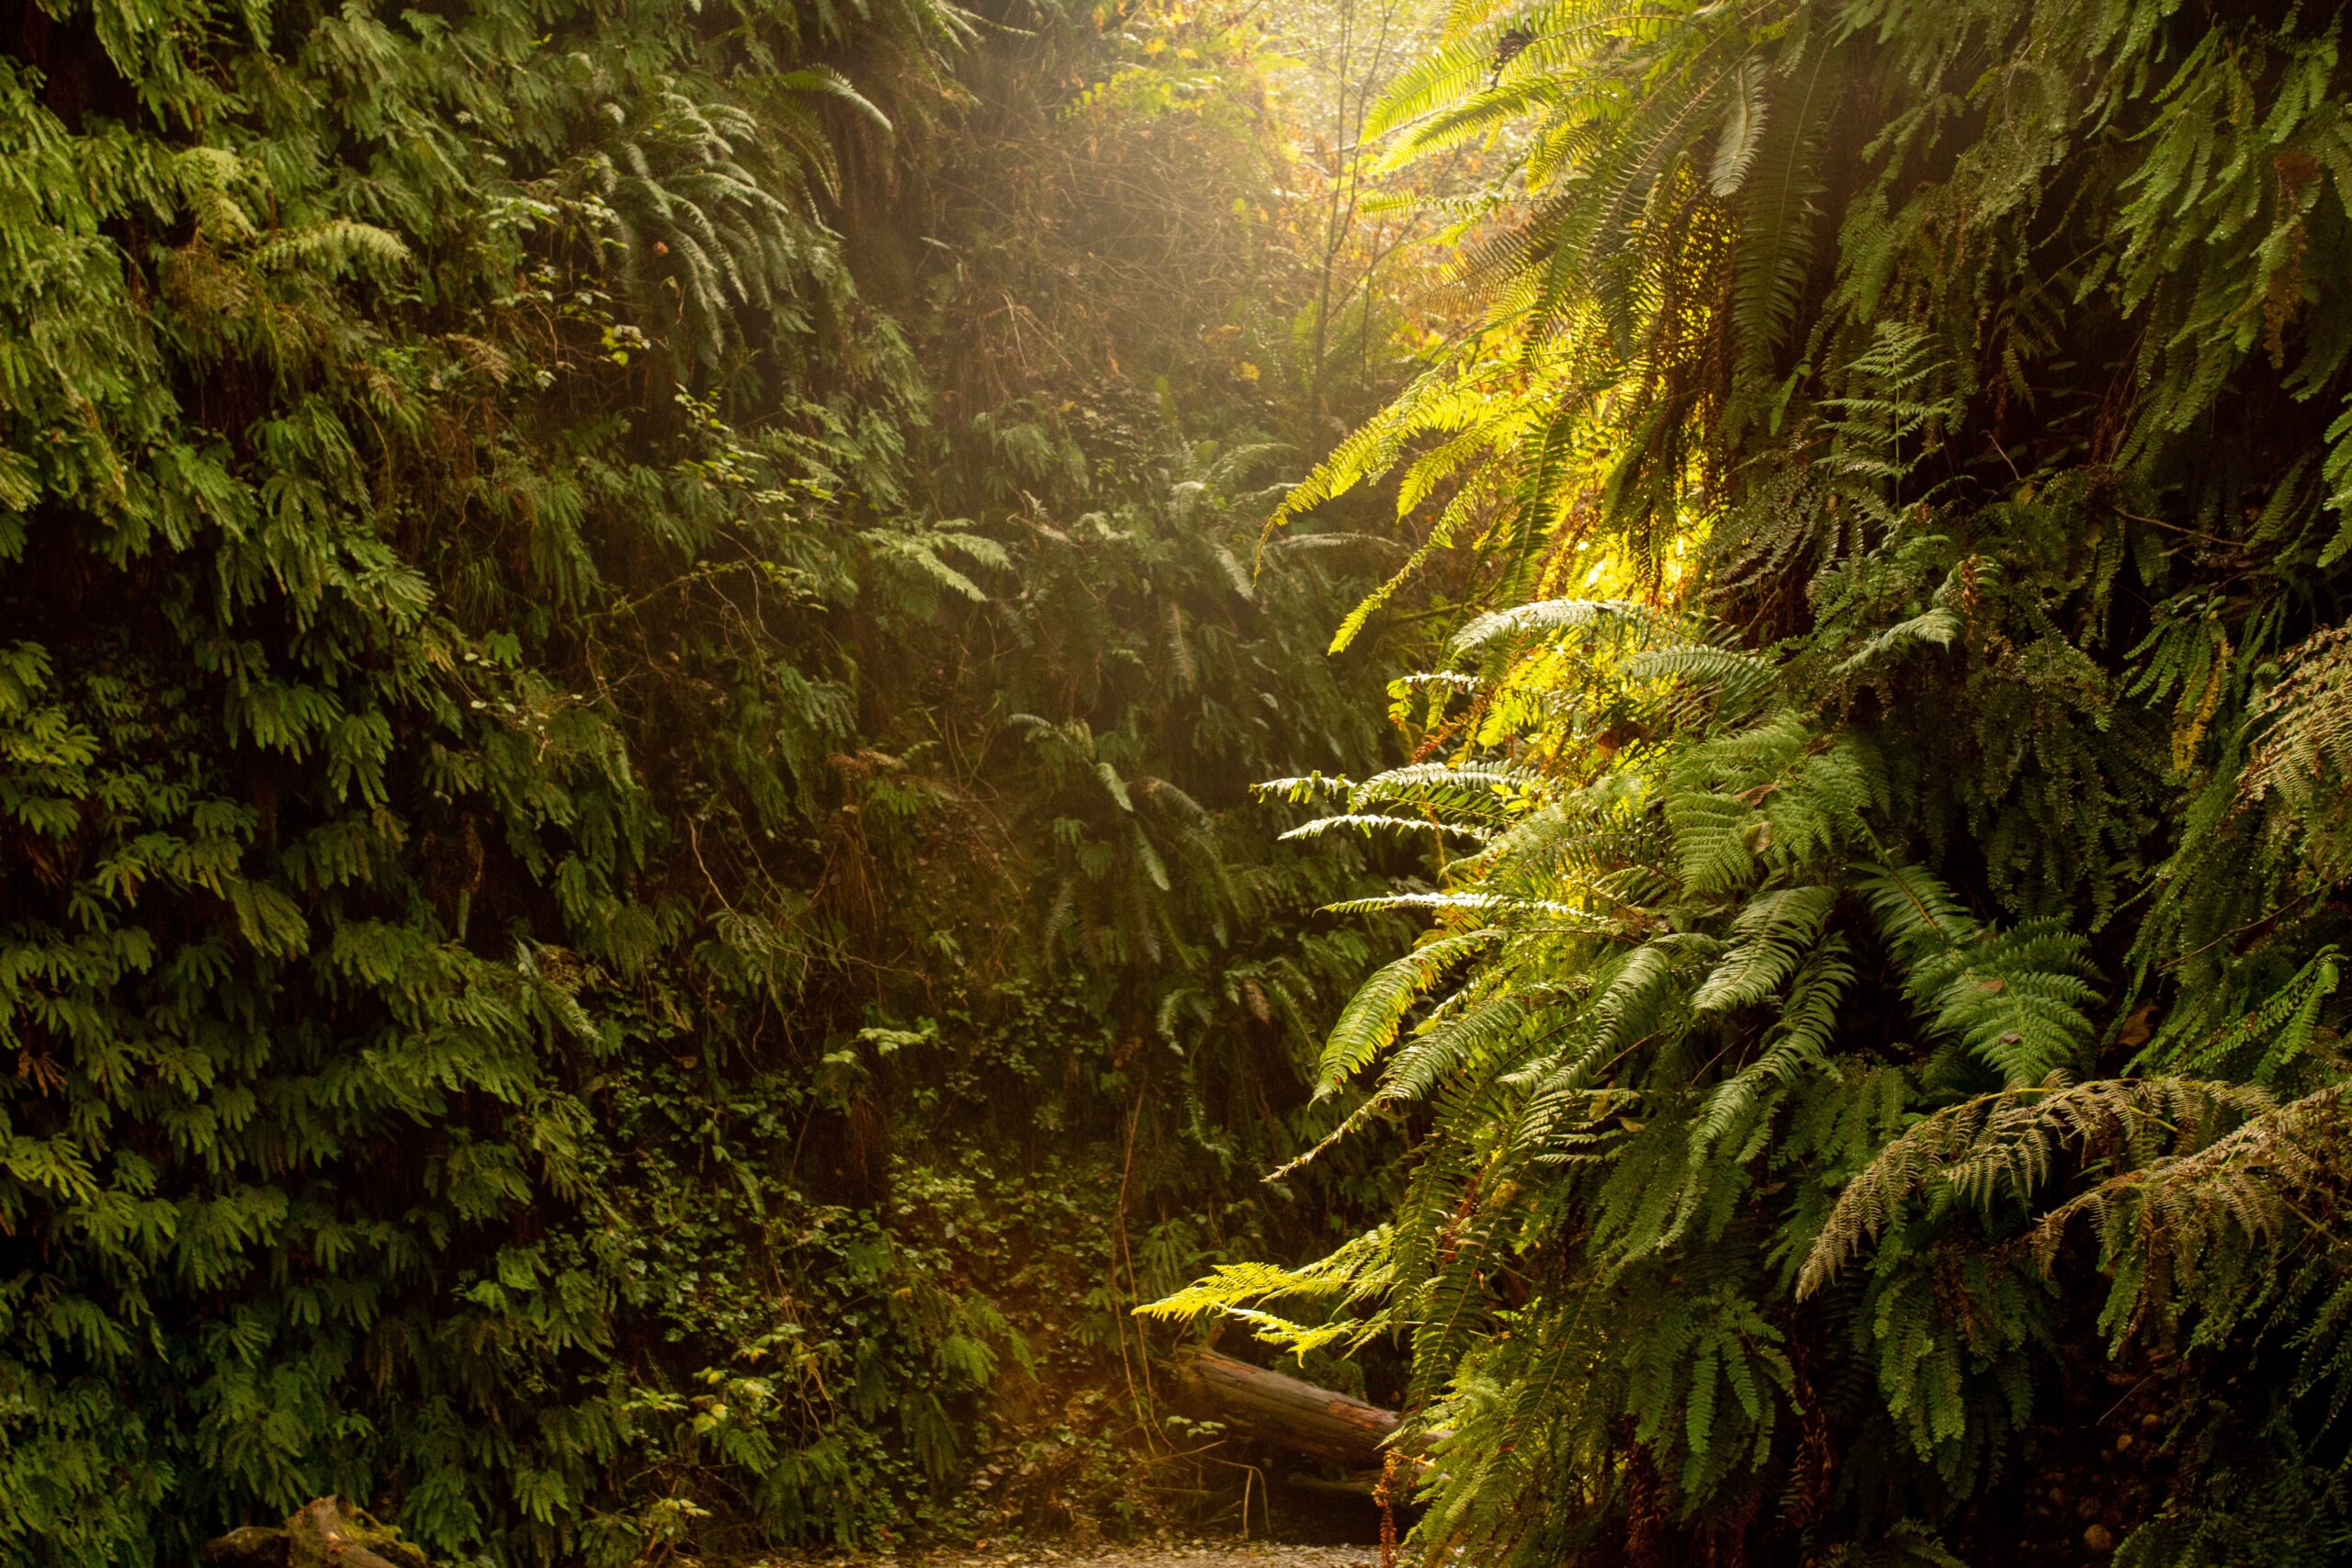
[1156, 1554]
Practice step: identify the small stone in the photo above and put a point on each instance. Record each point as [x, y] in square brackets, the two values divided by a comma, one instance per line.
[2098, 1537]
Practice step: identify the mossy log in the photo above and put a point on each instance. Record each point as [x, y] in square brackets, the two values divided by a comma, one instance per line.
[327, 1532]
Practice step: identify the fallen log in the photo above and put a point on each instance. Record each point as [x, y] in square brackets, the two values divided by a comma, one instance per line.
[327, 1532]
[1285, 1411]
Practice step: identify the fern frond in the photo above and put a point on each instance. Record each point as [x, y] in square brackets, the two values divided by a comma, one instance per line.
[1369, 1024]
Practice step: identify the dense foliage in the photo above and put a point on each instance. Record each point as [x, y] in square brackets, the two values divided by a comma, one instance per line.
[1874, 1080]
[626, 875]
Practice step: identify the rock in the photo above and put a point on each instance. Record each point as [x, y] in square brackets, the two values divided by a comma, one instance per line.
[2098, 1537]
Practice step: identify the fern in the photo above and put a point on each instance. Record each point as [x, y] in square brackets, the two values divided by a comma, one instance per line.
[1374, 1015]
